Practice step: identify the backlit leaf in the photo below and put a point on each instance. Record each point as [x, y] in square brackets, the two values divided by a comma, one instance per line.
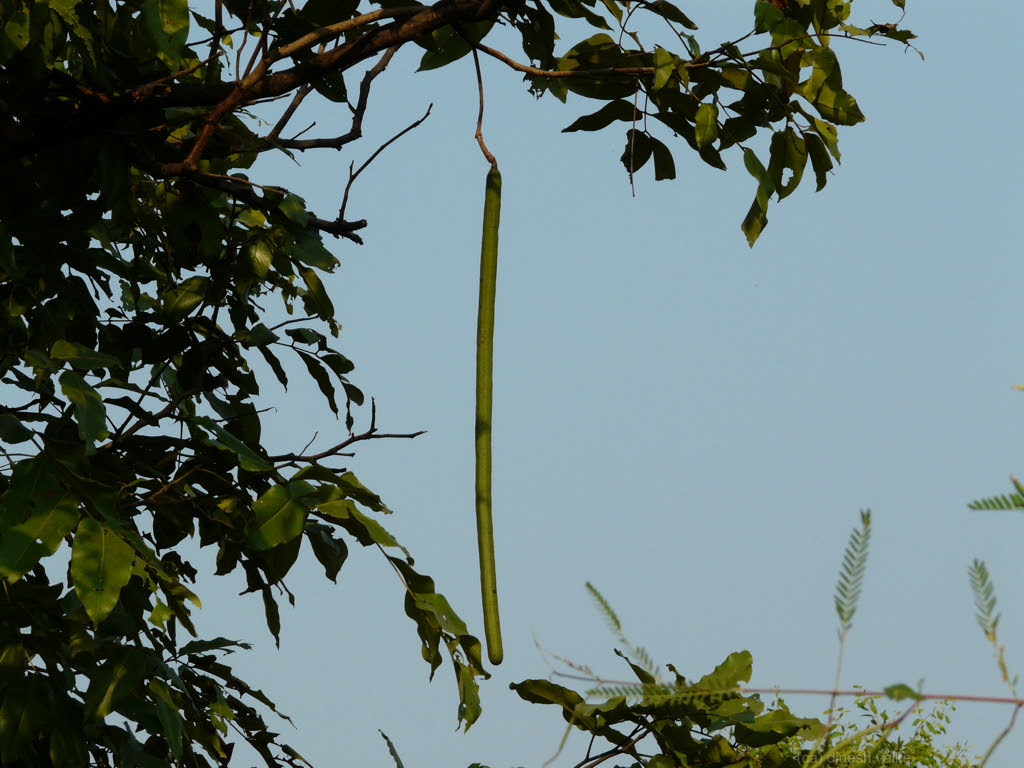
[81, 356]
[88, 408]
[707, 125]
[280, 514]
[101, 564]
[166, 27]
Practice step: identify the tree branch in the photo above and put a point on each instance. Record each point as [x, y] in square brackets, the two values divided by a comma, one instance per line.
[335, 450]
[356, 129]
[352, 176]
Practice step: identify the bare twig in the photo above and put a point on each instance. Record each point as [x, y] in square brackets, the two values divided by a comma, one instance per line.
[355, 131]
[370, 434]
[215, 38]
[1002, 734]
[620, 749]
[300, 94]
[353, 175]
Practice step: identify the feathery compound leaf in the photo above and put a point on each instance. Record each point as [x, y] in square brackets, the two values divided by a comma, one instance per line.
[1006, 501]
[1011, 501]
[851, 575]
[645, 668]
[984, 598]
[606, 609]
[393, 751]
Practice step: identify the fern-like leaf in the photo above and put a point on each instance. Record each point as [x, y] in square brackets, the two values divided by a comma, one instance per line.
[984, 599]
[393, 751]
[643, 661]
[606, 609]
[851, 575]
[1006, 501]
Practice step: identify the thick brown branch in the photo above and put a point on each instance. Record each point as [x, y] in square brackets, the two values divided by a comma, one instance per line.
[100, 114]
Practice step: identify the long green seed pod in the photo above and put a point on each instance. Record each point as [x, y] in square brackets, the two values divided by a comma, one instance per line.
[484, 370]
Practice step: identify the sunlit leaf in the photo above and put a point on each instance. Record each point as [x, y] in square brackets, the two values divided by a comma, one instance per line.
[280, 514]
[101, 564]
[707, 125]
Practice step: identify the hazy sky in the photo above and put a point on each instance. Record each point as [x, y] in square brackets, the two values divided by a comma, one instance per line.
[689, 424]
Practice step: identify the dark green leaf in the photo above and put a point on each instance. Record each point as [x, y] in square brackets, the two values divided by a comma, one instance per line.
[824, 89]
[331, 552]
[12, 431]
[447, 45]
[116, 680]
[664, 165]
[81, 356]
[166, 27]
[89, 411]
[667, 10]
[275, 365]
[356, 490]
[774, 726]
[35, 516]
[727, 676]
[766, 16]
[320, 376]
[294, 208]
[820, 160]
[574, 9]
[171, 722]
[248, 459]
[638, 150]
[307, 248]
[182, 299]
[605, 116]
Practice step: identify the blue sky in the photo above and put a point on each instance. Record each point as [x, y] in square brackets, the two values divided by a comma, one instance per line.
[690, 424]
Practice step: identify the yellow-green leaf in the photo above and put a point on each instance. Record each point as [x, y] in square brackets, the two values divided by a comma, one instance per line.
[101, 564]
[707, 125]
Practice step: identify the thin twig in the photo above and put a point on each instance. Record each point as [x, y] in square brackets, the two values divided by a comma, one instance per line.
[369, 434]
[355, 131]
[1002, 735]
[480, 114]
[352, 176]
[215, 38]
[300, 94]
[623, 749]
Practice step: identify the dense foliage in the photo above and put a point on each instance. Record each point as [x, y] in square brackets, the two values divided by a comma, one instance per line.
[137, 262]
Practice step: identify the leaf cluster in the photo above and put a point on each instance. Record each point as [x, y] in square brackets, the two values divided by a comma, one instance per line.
[705, 723]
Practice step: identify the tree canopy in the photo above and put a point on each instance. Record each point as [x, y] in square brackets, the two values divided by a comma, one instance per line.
[137, 259]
